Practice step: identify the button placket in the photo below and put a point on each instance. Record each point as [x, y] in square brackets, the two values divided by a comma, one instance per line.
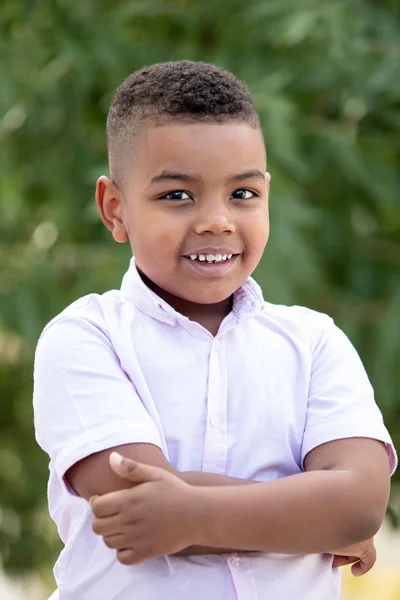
[215, 445]
[213, 421]
[239, 567]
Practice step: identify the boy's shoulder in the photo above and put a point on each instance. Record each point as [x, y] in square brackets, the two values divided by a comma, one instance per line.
[93, 308]
[297, 314]
[304, 324]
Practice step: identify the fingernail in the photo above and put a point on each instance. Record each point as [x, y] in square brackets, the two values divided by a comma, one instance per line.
[116, 458]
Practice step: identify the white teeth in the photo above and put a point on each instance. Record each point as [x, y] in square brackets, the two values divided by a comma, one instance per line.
[210, 258]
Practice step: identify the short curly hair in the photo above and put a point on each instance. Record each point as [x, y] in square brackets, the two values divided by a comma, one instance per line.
[185, 90]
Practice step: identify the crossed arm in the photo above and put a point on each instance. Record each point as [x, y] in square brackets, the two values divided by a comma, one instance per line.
[339, 500]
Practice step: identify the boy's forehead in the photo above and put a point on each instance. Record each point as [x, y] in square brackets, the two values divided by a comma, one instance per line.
[200, 147]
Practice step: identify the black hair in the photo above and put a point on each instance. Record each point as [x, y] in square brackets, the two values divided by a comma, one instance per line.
[185, 90]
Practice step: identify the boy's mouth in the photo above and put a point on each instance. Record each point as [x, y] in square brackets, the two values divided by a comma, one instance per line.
[210, 254]
[211, 264]
[211, 258]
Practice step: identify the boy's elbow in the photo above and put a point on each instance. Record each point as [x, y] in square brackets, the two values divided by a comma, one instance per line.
[366, 518]
[365, 528]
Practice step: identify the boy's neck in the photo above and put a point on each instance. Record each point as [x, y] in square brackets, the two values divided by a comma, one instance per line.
[210, 316]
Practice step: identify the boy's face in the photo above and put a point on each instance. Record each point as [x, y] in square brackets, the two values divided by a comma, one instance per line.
[195, 192]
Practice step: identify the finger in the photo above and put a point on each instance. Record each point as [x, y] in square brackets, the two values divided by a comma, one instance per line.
[110, 504]
[128, 556]
[107, 525]
[132, 470]
[342, 561]
[365, 564]
[357, 570]
[93, 498]
[115, 542]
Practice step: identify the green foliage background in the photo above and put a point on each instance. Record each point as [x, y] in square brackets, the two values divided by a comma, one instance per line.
[326, 77]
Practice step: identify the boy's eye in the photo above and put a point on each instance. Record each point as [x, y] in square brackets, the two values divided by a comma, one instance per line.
[176, 195]
[243, 194]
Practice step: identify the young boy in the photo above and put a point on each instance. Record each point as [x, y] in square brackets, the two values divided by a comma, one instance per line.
[256, 460]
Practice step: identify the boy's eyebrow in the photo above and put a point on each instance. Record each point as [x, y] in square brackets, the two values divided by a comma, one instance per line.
[253, 173]
[167, 175]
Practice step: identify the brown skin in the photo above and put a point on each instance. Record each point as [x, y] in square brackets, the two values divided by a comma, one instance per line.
[93, 476]
[336, 503]
[347, 489]
[213, 210]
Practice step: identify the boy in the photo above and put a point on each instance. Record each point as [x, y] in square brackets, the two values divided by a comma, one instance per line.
[254, 450]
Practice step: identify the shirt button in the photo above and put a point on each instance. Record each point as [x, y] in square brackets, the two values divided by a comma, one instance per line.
[235, 562]
[213, 420]
[238, 564]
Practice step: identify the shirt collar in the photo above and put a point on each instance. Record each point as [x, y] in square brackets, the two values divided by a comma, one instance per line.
[247, 300]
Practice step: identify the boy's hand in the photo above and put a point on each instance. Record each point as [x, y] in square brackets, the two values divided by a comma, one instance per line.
[160, 516]
[154, 518]
[363, 555]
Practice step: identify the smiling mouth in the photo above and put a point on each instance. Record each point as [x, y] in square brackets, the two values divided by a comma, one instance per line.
[211, 266]
[211, 258]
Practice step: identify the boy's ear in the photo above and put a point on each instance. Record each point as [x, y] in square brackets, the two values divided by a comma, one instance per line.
[110, 206]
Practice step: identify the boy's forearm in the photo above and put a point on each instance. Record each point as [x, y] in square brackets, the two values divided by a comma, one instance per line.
[199, 478]
[302, 514]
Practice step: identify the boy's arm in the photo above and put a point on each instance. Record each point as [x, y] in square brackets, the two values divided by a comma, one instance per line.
[340, 500]
[93, 475]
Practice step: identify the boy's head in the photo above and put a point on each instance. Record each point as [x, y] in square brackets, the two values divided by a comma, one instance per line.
[184, 91]
[188, 181]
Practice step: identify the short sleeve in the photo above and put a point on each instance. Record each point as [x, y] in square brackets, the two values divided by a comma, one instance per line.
[83, 401]
[341, 400]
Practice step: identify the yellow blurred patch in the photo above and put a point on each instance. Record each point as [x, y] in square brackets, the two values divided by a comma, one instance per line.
[379, 583]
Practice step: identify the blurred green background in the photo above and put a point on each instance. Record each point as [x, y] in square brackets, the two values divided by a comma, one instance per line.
[326, 78]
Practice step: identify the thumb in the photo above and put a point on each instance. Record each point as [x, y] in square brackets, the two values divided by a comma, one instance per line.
[130, 469]
[93, 498]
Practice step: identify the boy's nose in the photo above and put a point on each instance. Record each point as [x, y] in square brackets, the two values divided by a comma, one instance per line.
[215, 223]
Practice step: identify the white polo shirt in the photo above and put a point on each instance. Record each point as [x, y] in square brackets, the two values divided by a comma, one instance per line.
[251, 402]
